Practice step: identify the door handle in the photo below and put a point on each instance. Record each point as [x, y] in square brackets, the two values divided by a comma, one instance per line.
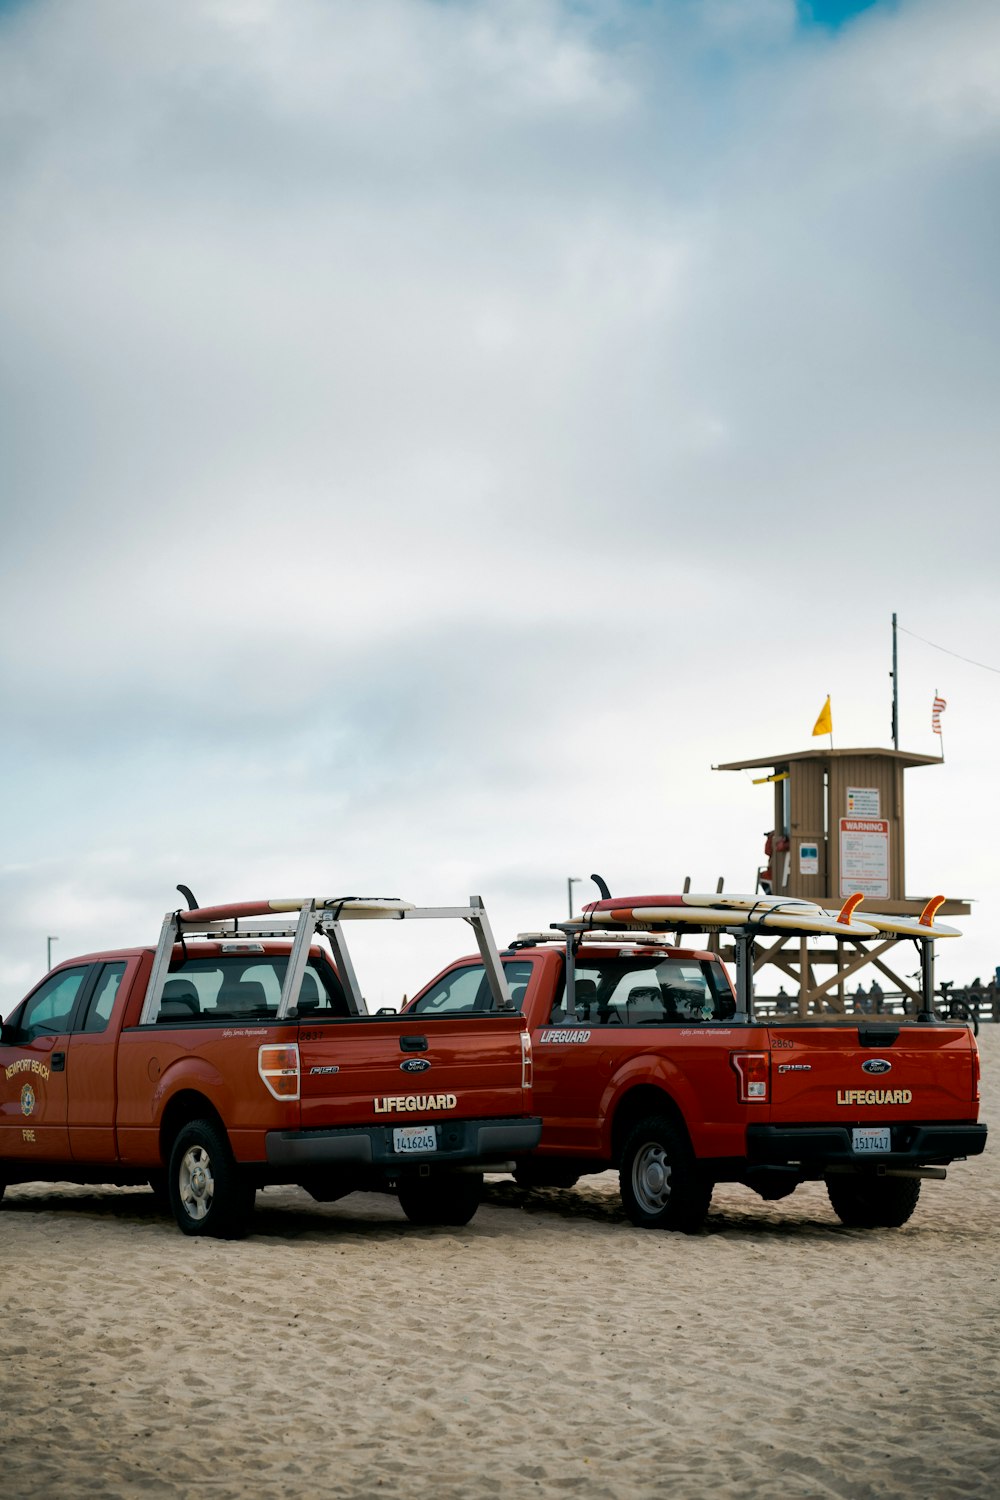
[58, 1061]
[413, 1044]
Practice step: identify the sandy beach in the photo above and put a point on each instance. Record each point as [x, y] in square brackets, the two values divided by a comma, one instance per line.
[549, 1349]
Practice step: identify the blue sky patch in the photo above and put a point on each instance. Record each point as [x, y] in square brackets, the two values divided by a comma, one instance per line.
[833, 13]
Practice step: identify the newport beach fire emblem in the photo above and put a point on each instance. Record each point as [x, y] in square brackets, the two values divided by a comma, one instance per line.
[27, 1099]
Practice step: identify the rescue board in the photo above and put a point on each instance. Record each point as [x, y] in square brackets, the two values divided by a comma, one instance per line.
[778, 915]
[703, 900]
[369, 907]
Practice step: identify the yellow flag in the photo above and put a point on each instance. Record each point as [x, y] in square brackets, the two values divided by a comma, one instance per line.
[824, 724]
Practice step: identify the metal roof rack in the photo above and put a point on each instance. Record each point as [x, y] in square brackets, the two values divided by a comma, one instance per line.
[304, 918]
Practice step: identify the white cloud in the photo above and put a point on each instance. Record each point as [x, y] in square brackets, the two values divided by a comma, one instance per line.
[433, 434]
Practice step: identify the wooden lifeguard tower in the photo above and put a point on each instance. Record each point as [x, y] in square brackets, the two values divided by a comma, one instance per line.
[838, 827]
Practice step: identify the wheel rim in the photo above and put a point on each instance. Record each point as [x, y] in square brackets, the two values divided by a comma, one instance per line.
[651, 1178]
[196, 1183]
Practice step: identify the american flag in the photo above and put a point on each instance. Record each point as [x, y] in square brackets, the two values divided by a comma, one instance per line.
[940, 704]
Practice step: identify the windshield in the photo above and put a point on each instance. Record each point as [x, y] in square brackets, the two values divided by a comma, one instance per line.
[619, 990]
[639, 990]
[245, 988]
[465, 991]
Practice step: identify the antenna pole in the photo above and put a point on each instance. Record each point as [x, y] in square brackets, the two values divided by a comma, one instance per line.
[894, 674]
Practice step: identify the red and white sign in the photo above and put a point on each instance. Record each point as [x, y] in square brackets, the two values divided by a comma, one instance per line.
[864, 856]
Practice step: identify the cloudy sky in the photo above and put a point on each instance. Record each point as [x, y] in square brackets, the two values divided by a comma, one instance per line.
[433, 433]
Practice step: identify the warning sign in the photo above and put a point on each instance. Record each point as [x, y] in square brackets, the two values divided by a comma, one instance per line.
[864, 856]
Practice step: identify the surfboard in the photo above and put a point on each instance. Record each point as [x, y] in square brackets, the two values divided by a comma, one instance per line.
[803, 917]
[349, 906]
[908, 926]
[703, 900]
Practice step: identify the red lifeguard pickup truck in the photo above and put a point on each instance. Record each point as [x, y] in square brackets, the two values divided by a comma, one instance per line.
[237, 1054]
[657, 1067]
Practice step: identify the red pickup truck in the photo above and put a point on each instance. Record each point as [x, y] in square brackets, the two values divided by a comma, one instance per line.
[657, 1067]
[237, 1054]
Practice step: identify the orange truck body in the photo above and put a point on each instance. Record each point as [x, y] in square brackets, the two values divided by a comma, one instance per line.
[766, 1104]
[328, 1098]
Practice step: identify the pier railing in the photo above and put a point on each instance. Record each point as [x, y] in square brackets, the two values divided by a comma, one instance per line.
[951, 1002]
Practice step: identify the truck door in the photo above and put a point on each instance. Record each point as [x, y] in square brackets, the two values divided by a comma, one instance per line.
[91, 1081]
[570, 1064]
[33, 1095]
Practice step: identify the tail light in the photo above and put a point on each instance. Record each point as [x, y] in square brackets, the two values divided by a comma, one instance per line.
[753, 1070]
[976, 1071]
[280, 1070]
[526, 1068]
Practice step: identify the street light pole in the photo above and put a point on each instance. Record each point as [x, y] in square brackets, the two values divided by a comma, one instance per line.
[50, 941]
[570, 883]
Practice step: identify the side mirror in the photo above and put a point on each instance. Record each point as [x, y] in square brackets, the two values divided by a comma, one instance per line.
[8, 1034]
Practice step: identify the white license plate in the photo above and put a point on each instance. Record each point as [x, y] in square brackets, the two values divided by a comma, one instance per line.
[414, 1138]
[872, 1138]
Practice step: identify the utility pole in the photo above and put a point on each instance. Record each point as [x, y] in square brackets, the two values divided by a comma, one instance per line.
[894, 674]
[50, 941]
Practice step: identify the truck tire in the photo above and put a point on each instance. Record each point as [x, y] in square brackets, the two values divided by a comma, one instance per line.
[448, 1199]
[660, 1185]
[865, 1202]
[530, 1173]
[208, 1193]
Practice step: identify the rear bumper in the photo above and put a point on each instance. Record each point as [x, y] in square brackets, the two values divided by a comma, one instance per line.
[459, 1142]
[913, 1144]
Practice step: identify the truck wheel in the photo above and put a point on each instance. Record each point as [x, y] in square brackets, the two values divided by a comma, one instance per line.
[539, 1174]
[208, 1193]
[660, 1184]
[448, 1199]
[873, 1202]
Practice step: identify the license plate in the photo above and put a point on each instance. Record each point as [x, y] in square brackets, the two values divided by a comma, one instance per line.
[414, 1138]
[874, 1138]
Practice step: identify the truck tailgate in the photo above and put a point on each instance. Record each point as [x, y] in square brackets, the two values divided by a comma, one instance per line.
[387, 1069]
[847, 1074]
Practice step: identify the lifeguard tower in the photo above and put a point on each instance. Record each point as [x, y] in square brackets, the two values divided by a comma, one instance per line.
[838, 827]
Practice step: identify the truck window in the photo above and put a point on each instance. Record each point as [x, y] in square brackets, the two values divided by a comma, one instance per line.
[463, 992]
[103, 999]
[49, 1011]
[634, 990]
[240, 987]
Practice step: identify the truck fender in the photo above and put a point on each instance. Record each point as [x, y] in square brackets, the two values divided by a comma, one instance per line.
[193, 1076]
[652, 1072]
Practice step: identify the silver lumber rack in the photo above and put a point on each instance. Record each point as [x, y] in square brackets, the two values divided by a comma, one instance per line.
[302, 920]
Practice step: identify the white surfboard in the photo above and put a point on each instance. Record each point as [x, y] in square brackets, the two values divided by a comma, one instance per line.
[898, 926]
[804, 919]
